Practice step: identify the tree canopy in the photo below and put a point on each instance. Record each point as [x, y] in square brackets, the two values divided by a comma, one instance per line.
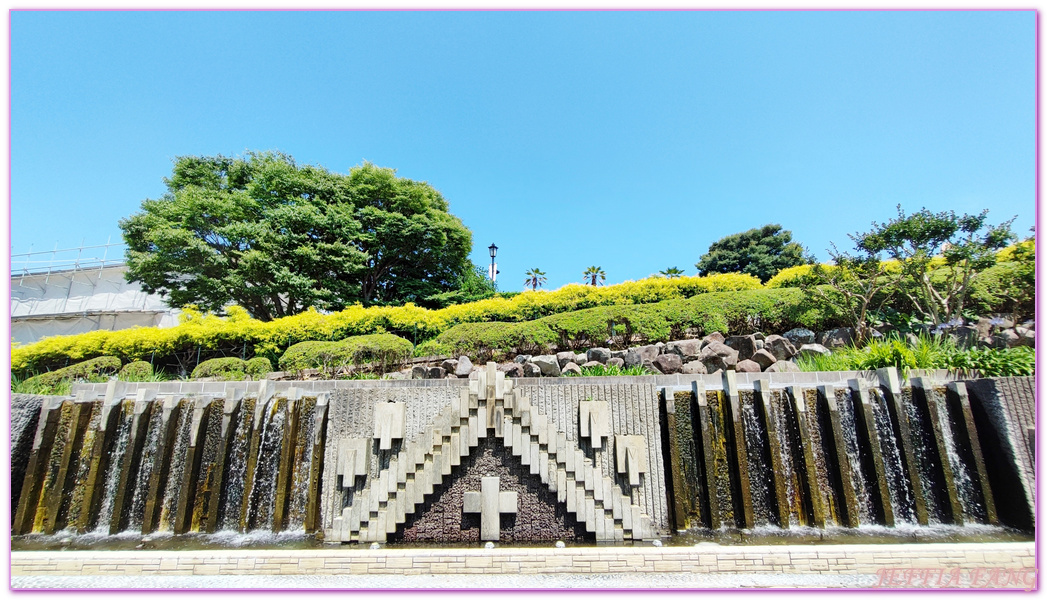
[276, 238]
[760, 252]
[939, 253]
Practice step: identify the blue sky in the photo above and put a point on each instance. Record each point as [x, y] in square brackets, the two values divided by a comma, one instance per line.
[626, 140]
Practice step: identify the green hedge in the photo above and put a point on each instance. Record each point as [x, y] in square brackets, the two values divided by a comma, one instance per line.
[383, 350]
[138, 370]
[228, 368]
[1007, 287]
[95, 367]
[729, 313]
[202, 336]
[258, 367]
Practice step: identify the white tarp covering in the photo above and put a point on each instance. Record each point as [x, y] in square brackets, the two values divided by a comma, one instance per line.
[76, 301]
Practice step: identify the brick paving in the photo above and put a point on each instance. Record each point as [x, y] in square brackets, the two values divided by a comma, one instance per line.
[911, 565]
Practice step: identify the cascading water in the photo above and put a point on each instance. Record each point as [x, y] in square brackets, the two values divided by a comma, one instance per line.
[925, 454]
[301, 460]
[229, 518]
[260, 512]
[148, 461]
[857, 458]
[761, 486]
[970, 498]
[176, 469]
[112, 476]
[250, 468]
[791, 456]
[902, 501]
[721, 464]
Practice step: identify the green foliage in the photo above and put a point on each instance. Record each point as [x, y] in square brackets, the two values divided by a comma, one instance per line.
[34, 386]
[760, 252]
[94, 369]
[238, 334]
[594, 276]
[610, 371]
[535, 278]
[671, 273]
[138, 370]
[855, 285]
[1007, 287]
[727, 312]
[258, 367]
[276, 237]
[228, 368]
[473, 285]
[491, 341]
[1010, 362]
[929, 352]
[966, 243]
[380, 350]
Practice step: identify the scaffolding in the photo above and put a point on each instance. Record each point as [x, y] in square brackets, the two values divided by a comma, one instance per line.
[76, 290]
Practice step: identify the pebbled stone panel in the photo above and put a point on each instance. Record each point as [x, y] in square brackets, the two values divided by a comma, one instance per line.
[539, 516]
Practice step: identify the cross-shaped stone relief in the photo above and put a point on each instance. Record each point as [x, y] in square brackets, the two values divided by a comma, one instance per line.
[491, 504]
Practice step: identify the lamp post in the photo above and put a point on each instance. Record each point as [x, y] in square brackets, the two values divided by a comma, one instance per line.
[494, 271]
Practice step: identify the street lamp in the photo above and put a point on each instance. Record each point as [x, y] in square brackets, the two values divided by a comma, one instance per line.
[494, 271]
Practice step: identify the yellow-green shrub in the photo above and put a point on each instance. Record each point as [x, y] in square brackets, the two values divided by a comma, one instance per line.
[383, 349]
[95, 367]
[258, 367]
[237, 332]
[138, 370]
[727, 312]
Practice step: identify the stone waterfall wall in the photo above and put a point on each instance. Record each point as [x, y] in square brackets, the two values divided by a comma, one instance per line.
[633, 411]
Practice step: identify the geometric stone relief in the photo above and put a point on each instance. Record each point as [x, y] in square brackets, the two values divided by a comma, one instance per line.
[390, 421]
[594, 420]
[491, 504]
[631, 455]
[420, 466]
[353, 457]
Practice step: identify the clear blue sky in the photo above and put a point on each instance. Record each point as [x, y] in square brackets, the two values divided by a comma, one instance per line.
[626, 140]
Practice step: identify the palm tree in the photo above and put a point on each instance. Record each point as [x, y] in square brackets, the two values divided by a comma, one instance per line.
[535, 278]
[671, 272]
[594, 276]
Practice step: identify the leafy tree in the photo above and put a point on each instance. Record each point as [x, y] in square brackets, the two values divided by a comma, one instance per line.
[535, 278]
[277, 238]
[474, 285]
[760, 252]
[594, 276]
[856, 284]
[967, 245]
[671, 272]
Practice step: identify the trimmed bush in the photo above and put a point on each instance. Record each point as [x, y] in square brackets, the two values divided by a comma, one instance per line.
[383, 350]
[729, 313]
[1008, 287]
[95, 367]
[229, 368]
[258, 367]
[138, 370]
[238, 333]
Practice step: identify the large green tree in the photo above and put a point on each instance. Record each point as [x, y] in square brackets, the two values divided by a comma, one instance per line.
[276, 237]
[760, 252]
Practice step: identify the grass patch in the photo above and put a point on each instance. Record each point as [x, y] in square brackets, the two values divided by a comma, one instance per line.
[610, 371]
[929, 352]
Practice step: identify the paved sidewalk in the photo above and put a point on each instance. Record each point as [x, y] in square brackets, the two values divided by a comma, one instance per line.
[704, 566]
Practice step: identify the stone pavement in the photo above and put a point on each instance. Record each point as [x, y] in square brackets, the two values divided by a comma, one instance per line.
[1004, 564]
